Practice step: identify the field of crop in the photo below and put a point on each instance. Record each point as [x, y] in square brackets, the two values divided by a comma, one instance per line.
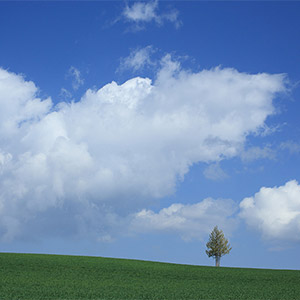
[35, 276]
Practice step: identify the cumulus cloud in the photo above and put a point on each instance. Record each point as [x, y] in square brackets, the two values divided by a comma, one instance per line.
[140, 13]
[19, 106]
[275, 212]
[83, 167]
[193, 221]
[137, 59]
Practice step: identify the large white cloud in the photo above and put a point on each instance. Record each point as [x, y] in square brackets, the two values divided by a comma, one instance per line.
[275, 212]
[90, 163]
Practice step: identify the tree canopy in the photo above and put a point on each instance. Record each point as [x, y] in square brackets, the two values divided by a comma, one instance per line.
[218, 245]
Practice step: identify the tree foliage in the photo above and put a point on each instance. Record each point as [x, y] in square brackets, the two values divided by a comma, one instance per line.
[218, 245]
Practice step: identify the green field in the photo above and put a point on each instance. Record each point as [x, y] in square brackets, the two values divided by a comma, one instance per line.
[36, 276]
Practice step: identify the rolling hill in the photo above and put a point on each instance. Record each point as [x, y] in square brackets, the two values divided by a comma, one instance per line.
[37, 276]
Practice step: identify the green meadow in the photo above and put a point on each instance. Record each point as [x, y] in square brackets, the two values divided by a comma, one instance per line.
[37, 276]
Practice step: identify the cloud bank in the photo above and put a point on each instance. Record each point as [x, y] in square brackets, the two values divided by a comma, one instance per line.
[189, 221]
[84, 167]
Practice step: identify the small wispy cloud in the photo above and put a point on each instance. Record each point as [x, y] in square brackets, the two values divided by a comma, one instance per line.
[254, 153]
[290, 146]
[140, 13]
[215, 172]
[65, 94]
[77, 80]
[138, 59]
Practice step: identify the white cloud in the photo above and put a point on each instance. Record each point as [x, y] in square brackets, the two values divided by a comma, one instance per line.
[140, 13]
[275, 212]
[137, 59]
[189, 221]
[77, 81]
[214, 172]
[82, 167]
[19, 105]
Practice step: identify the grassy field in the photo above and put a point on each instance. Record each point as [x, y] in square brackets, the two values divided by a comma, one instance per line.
[35, 276]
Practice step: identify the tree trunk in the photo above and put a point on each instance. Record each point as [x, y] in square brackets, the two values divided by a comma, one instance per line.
[218, 261]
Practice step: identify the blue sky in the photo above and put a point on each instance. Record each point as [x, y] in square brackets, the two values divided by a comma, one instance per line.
[131, 129]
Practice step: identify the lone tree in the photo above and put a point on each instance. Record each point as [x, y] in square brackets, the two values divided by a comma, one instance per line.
[218, 245]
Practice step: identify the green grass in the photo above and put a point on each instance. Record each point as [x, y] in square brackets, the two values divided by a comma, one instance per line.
[35, 276]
